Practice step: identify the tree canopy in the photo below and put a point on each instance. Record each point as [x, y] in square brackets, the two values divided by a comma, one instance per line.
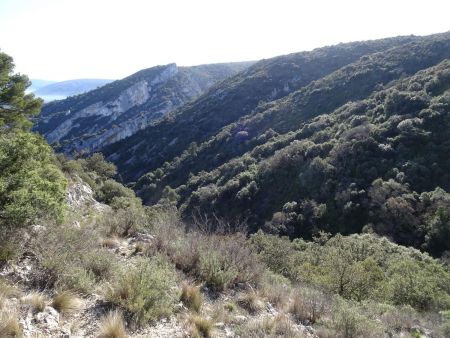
[16, 107]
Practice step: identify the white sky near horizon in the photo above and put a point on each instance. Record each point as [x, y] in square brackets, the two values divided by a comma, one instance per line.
[71, 39]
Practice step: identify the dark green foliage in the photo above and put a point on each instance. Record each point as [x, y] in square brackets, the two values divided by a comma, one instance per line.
[31, 185]
[360, 143]
[15, 106]
[111, 190]
[355, 167]
[246, 93]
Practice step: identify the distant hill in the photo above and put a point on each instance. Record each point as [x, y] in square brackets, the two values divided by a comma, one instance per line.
[119, 109]
[49, 91]
[36, 84]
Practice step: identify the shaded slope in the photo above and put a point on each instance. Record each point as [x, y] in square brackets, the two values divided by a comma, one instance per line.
[351, 82]
[227, 102]
[381, 163]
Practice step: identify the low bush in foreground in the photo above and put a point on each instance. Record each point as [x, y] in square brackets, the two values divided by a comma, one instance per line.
[147, 290]
[71, 259]
[219, 260]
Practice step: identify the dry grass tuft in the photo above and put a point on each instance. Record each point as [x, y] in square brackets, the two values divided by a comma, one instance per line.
[308, 305]
[276, 289]
[191, 297]
[36, 300]
[9, 325]
[110, 242]
[280, 326]
[67, 302]
[251, 302]
[7, 290]
[202, 327]
[112, 326]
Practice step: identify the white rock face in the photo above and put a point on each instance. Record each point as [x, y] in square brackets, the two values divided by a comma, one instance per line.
[84, 123]
[81, 197]
[135, 95]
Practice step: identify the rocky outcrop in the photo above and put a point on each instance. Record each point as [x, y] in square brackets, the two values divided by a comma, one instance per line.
[113, 112]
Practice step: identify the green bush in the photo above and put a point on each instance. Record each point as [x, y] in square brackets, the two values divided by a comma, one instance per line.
[111, 189]
[359, 267]
[217, 271]
[348, 322]
[123, 221]
[72, 259]
[147, 290]
[425, 286]
[31, 185]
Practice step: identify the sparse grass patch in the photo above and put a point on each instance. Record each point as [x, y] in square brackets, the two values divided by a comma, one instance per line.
[67, 302]
[147, 290]
[9, 325]
[202, 327]
[230, 307]
[123, 221]
[112, 242]
[275, 288]
[36, 300]
[308, 305]
[217, 259]
[348, 321]
[7, 290]
[279, 326]
[112, 326]
[250, 301]
[191, 297]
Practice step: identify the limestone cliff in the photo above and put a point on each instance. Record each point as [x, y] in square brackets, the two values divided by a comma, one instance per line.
[89, 121]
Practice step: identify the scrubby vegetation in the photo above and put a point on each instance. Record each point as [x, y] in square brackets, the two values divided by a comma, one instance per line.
[334, 222]
[148, 290]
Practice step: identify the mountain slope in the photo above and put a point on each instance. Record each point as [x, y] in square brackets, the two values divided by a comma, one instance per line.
[119, 109]
[363, 147]
[238, 96]
[352, 82]
[63, 89]
[381, 163]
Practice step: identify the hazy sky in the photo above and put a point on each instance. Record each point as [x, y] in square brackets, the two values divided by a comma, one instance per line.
[67, 39]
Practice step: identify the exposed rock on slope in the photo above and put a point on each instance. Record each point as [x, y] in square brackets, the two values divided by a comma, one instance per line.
[117, 110]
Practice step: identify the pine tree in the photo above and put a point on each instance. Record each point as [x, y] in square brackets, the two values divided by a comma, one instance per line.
[16, 107]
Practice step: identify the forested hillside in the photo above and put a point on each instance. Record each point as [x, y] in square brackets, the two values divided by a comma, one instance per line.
[360, 148]
[232, 99]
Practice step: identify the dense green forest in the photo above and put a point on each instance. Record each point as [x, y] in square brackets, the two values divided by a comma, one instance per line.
[358, 149]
